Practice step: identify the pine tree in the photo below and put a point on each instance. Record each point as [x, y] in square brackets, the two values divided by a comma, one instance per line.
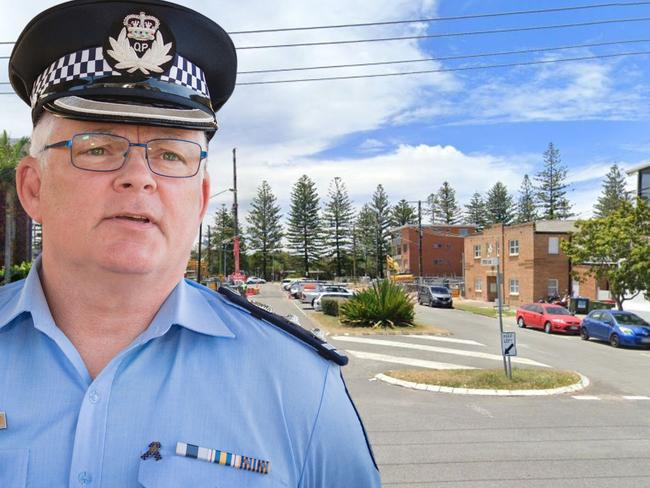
[303, 232]
[338, 217]
[264, 228]
[431, 208]
[223, 231]
[614, 193]
[551, 187]
[526, 208]
[475, 211]
[403, 213]
[365, 229]
[446, 207]
[381, 209]
[499, 205]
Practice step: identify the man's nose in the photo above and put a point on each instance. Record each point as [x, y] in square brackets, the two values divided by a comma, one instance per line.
[135, 173]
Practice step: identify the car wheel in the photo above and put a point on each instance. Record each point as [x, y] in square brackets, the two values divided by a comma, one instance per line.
[312, 303]
[584, 335]
[547, 328]
[521, 323]
[614, 340]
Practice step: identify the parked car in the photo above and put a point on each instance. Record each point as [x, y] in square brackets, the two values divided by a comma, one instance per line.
[309, 294]
[297, 288]
[339, 294]
[253, 280]
[618, 327]
[286, 283]
[438, 296]
[547, 316]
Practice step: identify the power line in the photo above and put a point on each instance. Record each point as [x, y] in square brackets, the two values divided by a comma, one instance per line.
[448, 34]
[441, 70]
[444, 58]
[445, 70]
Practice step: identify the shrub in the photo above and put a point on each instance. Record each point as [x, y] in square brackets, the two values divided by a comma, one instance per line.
[385, 304]
[330, 306]
[18, 271]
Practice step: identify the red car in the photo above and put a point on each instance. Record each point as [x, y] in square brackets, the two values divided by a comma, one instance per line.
[547, 316]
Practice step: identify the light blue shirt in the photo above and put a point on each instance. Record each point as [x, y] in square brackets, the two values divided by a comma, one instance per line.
[205, 372]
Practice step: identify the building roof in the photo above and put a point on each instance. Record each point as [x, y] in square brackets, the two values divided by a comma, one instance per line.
[637, 168]
[433, 226]
[558, 226]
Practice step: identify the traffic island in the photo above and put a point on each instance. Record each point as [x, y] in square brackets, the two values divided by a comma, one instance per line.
[333, 326]
[488, 382]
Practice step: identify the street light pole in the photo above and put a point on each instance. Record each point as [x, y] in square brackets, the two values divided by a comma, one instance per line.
[198, 270]
[420, 240]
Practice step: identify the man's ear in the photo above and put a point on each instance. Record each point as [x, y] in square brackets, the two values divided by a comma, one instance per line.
[205, 193]
[28, 186]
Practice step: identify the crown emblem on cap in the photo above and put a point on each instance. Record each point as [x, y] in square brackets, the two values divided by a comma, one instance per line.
[147, 51]
[141, 27]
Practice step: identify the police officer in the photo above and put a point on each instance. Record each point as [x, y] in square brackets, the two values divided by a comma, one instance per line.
[114, 371]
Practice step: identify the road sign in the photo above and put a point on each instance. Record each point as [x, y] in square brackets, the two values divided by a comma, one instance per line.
[508, 343]
[489, 261]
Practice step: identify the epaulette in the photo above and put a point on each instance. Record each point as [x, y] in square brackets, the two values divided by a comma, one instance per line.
[322, 347]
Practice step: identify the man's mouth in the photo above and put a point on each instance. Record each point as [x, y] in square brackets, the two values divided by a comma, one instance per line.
[133, 218]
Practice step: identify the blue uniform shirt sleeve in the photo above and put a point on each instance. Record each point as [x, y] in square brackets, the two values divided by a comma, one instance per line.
[339, 454]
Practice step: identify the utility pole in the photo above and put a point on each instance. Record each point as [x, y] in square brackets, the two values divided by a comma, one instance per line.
[354, 253]
[209, 251]
[198, 262]
[234, 210]
[420, 240]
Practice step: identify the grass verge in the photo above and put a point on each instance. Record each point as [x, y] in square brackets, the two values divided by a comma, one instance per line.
[334, 327]
[491, 379]
[486, 311]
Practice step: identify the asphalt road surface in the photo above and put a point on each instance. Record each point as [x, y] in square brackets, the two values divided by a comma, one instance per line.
[598, 437]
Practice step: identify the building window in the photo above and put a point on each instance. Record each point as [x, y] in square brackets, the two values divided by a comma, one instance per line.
[554, 245]
[514, 247]
[404, 248]
[437, 245]
[514, 287]
[477, 251]
[438, 261]
[553, 288]
[478, 285]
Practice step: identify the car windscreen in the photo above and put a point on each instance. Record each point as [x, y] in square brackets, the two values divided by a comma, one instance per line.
[629, 319]
[557, 311]
[440, 289]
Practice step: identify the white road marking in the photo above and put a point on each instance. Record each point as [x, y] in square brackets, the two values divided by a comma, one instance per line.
[481, 410]
[636, 397]
[645, 354]
[585, 397]
[300, 309]
[420, 363]
[443, 350]
[445, 339]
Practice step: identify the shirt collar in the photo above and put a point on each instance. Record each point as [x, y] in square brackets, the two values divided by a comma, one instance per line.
[187, 306]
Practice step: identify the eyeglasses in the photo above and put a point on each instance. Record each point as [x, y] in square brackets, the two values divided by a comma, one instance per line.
[174, 158]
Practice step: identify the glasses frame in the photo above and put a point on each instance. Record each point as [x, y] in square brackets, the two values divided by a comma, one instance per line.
[68, 143]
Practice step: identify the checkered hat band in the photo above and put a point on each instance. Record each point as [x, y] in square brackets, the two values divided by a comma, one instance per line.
[90, 63]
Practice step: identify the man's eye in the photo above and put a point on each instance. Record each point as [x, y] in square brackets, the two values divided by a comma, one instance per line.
[171, 156]
[96, 151]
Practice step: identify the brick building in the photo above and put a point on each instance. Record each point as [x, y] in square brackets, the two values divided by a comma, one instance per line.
[442, 249]
[531, 260]
[23, 243]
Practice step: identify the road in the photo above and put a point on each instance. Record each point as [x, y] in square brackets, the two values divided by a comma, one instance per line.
[599, 437]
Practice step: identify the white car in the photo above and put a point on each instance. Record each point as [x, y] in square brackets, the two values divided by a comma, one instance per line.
[309, 294]
[253, 280]
[338, 294]
[286, 284]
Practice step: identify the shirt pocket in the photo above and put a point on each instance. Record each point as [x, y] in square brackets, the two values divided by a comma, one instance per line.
[13, 468]
[181, 472]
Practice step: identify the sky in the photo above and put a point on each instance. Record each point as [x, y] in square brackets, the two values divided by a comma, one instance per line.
[410, 133]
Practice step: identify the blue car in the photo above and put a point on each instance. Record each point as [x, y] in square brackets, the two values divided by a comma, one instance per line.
[617, 327]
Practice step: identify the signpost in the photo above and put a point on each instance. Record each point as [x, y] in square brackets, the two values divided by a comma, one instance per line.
[509, 348]
[494, 262]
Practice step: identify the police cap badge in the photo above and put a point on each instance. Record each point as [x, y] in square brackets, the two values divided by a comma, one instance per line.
[138, 61]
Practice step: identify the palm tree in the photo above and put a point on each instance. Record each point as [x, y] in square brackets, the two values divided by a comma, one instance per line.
[10, 155]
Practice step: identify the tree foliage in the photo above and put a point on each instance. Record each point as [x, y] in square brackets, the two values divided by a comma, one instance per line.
[446, 207]
[222, 232]
[475, 211]
[365, 232]
[552, 187]
[380, 207]
[385, 304]
[303, 230]
[338, 218]
[526, 207]
[264, 228]
[613, 194]
[616, 247]
[499, 205]
[403, 213]
[10, 155]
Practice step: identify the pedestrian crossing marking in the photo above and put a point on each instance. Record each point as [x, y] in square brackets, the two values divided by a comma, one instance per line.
[419, 363]
[585, 397]
[443, 350]
[636, 397]
[446, 339]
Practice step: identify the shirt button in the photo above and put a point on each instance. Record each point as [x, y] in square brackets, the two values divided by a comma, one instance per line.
[85, 478]
[94, 396]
